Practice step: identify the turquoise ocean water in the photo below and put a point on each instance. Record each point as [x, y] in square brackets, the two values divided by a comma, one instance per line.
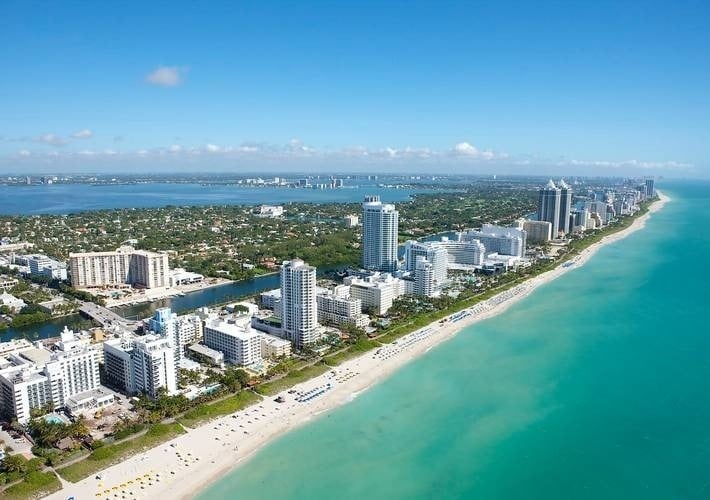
[597, 386]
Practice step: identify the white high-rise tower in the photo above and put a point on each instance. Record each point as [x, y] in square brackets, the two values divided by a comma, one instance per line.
[565, 207]
[299, 313]
[380, 227]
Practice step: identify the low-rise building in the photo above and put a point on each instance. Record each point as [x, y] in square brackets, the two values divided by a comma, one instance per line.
[274, 347]
[237, 340]
[6, 282]
[206, 355]
[11, 302]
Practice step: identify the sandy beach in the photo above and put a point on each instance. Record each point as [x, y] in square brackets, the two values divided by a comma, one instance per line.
[183, 467]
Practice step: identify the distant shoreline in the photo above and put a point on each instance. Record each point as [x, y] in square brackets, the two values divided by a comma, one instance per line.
[233, 448]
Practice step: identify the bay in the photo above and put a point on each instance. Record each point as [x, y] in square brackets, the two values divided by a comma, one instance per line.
[73, 198]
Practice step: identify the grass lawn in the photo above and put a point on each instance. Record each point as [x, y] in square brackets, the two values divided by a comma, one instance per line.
[205, 412]
[35, 485]
[291, 379]
[361, 346]
[114, 453]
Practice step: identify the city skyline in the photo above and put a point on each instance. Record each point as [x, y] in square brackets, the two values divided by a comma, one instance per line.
[514, 89]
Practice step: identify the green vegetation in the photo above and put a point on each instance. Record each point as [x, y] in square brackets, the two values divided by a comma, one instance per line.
[205, 412]
[292, 378]
[111, 454]
[363, 344]
[35, 484]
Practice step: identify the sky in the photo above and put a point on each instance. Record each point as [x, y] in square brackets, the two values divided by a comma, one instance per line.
[568, 87]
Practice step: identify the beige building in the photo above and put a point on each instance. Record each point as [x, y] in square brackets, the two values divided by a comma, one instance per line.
[538, 231]
[274, 347]
[336, 307]
[124, 266]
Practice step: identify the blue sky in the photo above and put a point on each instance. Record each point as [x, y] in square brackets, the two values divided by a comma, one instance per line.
[507, 87]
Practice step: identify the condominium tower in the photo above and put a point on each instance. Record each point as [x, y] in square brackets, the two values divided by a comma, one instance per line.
[299, 310]
[548, 207]
[122, 266]
[380, 226]
[564, 224]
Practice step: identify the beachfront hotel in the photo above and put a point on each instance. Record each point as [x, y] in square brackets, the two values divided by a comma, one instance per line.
[498, 239]
[299, 307]
[124, 266]
[141, 364]
[33, 377]
[336, 307]
[375, 292]
[236, 339]
[538, 231]
[182, 331]
[380, 227]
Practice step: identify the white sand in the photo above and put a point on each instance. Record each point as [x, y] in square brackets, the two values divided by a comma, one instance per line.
[211, 451]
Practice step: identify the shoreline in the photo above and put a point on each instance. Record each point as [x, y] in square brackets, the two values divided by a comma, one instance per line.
[189, 464]
[166, 293]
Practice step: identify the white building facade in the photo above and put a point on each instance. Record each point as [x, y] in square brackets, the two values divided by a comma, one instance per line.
[380, 229]
[299, 307]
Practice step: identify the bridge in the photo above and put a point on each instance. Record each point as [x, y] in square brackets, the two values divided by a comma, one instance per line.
[105, 316]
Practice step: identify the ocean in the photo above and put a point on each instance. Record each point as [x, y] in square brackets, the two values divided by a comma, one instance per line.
[593, 387]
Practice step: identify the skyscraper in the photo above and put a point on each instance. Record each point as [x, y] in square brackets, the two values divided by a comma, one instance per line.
[380, 226]
[548, 207]
[299, 309]
[565, 207]
[650, 190]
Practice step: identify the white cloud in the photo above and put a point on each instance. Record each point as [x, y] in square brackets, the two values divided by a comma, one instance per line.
[24, 153]
[212, 148]
[84, 133]
[51, 139]
[466, 149]
[645, 165]
[166, 76]
[175, 148]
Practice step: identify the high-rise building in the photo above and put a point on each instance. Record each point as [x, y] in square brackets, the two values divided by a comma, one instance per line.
[650, 189]
[182, 331]
[380, 227]
[430, 275]
[565, 207]
[141, 364]
[538, 231]
[36, 377]
[299, 309]
[123, 266]
[498, 239]
[548, 206]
